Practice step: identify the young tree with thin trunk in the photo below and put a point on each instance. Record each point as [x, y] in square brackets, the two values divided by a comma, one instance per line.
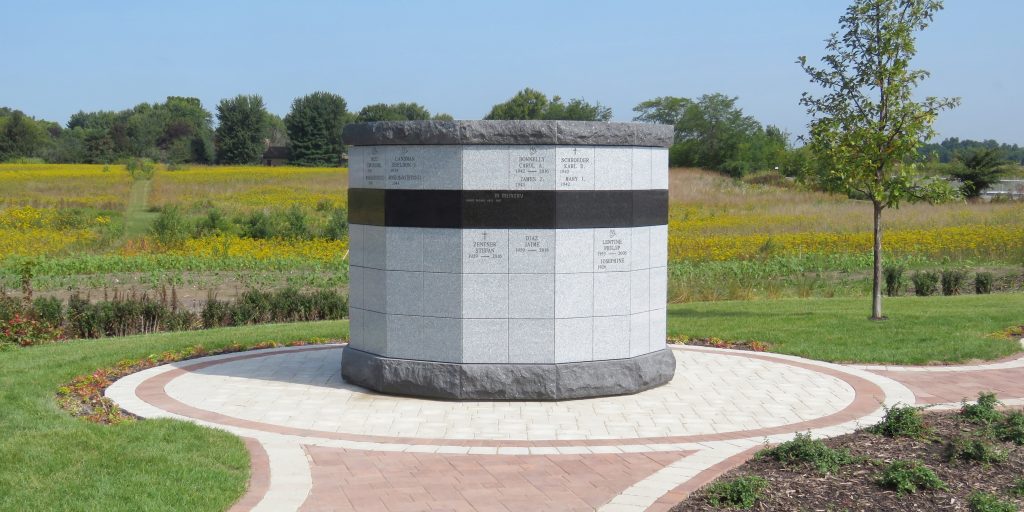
[866, 126]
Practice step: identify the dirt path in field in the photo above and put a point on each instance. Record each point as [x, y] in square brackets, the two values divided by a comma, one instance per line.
[136, 217]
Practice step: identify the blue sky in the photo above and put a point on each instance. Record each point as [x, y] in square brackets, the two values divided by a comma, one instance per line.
[461, 57]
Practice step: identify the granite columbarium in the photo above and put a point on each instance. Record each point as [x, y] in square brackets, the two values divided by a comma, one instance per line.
[508, 260]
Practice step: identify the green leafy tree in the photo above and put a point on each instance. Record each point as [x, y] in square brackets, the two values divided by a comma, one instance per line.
[314, 129]
[393, 112]
[866, 127]
[443, 117]
[533, 104]
[661, 110]
[242, 126]
[713, 128]
[978, 169]
[21, 136]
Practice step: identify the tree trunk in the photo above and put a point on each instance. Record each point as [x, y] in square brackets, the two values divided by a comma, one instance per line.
[876, 285]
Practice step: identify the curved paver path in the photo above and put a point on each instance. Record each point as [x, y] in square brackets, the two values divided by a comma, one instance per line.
[320, 444]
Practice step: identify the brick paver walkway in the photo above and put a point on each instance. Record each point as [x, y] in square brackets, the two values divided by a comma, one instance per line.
[319, 444]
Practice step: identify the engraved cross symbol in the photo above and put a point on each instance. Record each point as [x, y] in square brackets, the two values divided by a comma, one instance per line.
[574, 150]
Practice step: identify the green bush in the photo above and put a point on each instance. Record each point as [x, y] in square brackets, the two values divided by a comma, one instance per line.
[907, 477]
[1012, 428]
[171, 228]
[140, 168]
[740, 492]
[953, 281]
[983, 282]
[894, 282]
[982, 411]
[9, 307]
[296, 223]
[337, 226]
[974, 449]
[980, 501]
[48, 310]
[215, 222]
[901, 421]
[925, 283]
[804, 450]
[216, 313]
[258, 225]
[1018, 488]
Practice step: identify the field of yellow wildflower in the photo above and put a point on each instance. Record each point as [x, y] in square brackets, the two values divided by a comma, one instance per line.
[246, 226]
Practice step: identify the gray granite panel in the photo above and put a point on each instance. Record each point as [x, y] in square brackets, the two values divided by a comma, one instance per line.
[404, 292]
[574, 250]
[375, 246]
[485, 340]
[640, 246]
[424, 167]
[356, 245]
[611, 293]
[642, 158]
[441, 339]
[640, 291]
[374, 333]
[357, 167]
[575, 168]
[531, 251]
[532, 168]
[531, 295]
[659, 168]
[485, 168]
[485, 295]
[484, 251]
[442, 250]
[658, 329]
[612, 249]
[442, 294]
[639, 334]
[507, 132]
[531, 340]
[574, 339]
[404, 249]
[375, 294]
[611, 337]
[375, 172]
[356, 276]
[659, 246]
[356, 323]
[613, 168]
[574, 295]
[659, 287]
[405, 338]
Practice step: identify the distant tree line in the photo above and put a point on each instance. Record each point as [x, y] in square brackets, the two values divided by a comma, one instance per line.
[950, 149]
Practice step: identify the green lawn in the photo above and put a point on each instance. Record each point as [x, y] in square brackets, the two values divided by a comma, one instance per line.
[919, 330]
[52, 461]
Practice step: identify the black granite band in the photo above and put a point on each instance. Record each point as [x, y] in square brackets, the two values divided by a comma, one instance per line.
[560, 381]
[503, 209]
[583, 133]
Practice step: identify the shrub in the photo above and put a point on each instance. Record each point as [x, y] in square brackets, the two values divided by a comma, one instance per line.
[980, 501]
[171, 228]
[907, 477]
[216, 313]
[953, 281]
[976, 450]
[258, 225]
[1012, 429]
[741, 492]
[804, 450]
[214, 222]
[925, 283]
[1018, 488]
[83, 318]
[337, 226]
[48, 310]
[8, 308]
[983, 282]
[982, 411]
[140, 168]
[296, 223]
[894, 282]
[25, 332]
[901, 421]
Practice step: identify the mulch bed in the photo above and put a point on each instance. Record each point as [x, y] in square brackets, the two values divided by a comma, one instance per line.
[854, 487]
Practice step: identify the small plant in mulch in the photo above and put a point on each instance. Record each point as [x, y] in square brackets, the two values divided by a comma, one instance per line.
[1012, 428]
[986, 502]
[901, 421]
[803, 450]
[984, 411]
[976, 449]
[909, 476]
[715, 342]
[1018, 488]
[740, 492]
[83, 396]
